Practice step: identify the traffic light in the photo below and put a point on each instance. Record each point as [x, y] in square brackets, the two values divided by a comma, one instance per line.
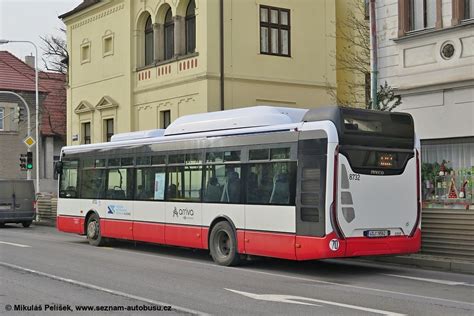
[29, 160]
[23, 161]
[19, 114]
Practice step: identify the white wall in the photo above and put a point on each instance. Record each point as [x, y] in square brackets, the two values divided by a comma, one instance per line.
[439, 93]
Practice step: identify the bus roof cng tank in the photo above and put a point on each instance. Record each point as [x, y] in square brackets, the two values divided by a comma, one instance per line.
[138, 135]
[255, 116]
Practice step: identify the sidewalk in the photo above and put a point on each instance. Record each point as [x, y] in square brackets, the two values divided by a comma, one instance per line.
[430, 262]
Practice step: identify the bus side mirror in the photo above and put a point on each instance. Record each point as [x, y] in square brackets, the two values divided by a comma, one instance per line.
[59, 167]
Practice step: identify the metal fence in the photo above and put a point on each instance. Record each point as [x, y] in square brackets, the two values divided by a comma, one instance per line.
[448, 233]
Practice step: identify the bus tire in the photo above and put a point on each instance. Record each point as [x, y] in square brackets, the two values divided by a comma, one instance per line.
[26, 224]
[223, 245]
[93, 233]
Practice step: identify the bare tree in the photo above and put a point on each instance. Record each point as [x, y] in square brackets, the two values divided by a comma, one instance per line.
[55, 60]
[353, 62]
[55, 55]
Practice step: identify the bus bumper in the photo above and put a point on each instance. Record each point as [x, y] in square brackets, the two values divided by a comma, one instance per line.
[363, 246]
[310, 248]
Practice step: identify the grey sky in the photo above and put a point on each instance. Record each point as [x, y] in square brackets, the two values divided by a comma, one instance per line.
[28, 20]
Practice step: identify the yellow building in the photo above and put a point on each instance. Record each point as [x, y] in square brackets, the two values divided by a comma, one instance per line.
[137, 65]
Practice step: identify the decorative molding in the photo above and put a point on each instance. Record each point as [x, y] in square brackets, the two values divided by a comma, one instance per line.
[84, 107]
[106, 103]
[108, 35]
[167, 103]
[98, 16]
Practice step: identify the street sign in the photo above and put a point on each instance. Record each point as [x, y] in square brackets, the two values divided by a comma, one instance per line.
[29, 141]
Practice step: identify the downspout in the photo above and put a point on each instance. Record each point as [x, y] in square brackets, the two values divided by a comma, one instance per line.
[221, 34]
[373, 42]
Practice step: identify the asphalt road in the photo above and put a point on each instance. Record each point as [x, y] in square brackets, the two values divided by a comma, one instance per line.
[43, 268]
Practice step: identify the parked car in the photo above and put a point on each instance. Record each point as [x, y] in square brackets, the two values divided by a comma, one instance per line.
[17, 202]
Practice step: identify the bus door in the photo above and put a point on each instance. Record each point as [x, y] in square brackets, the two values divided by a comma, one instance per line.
[149, 205]
[310, 194]
[118, 204]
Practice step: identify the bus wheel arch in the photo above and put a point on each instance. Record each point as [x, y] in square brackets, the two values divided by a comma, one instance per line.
[220, 218]
[222, 242]
[86, 219]
[92, 229]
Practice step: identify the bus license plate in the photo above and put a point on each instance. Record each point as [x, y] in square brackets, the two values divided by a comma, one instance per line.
[376, 233]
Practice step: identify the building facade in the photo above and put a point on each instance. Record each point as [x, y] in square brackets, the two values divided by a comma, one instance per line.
[19, 77]
[426, 52]
[138, 65]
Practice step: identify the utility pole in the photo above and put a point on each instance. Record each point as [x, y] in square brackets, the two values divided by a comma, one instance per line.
[373, 44]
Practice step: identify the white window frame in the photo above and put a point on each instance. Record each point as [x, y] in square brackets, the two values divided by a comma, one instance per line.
[413, 11]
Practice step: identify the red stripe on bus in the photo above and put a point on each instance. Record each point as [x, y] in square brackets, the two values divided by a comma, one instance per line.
[149, 232]
[241, 241]
[70, 224]
[270, 244]
[185, 236]
[120, 229]
[308, 247]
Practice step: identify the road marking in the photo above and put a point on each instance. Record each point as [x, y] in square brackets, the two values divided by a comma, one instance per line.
[13, 244]
[297, 278]
[291, 298]
[445, 282]
[103, 289]
[356, 287]
[275, 298]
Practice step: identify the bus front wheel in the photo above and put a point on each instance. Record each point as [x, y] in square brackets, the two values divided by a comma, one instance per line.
[93, 231]
[223, 245]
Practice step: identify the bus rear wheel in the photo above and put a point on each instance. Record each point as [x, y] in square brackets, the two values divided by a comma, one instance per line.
[93, 233]
[223, 245]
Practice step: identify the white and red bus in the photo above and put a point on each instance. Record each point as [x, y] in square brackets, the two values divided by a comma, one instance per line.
[267, 181]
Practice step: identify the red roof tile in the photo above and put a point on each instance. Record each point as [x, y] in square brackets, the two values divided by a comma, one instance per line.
[15, 75]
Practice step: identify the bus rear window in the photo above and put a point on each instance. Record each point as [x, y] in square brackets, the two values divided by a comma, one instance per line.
[377, 129]
[355, 124]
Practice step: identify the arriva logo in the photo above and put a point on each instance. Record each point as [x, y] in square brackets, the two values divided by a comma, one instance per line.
[184, 212]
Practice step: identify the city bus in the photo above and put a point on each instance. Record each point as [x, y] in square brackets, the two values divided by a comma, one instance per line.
[261, 181]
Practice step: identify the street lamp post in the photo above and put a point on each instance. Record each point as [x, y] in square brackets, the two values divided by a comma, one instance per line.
[4, 41]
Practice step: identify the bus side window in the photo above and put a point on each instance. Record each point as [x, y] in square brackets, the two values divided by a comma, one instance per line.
[222, 183]
[93, 183]
[150, 184]
[68, 182]
[271, 183]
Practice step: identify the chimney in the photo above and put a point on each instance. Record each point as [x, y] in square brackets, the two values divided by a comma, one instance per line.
[30, 61]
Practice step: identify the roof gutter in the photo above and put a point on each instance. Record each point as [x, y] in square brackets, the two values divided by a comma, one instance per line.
[221, 34]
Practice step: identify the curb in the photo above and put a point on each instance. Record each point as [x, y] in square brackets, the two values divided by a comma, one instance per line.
[45, 223]
[438, 263]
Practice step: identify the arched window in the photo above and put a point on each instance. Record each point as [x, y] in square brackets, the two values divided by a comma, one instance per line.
[191, 27]
[148, 42]
[169, 35]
